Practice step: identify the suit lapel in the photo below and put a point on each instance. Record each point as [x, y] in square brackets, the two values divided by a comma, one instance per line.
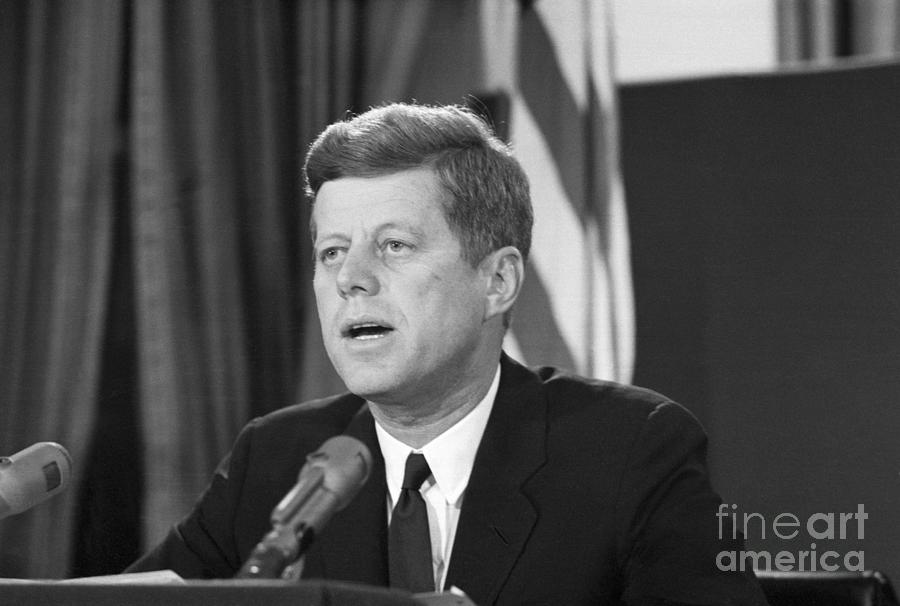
[354, 545]
[497, 518]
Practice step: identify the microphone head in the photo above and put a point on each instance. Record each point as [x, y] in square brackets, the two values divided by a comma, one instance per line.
[33, 475]
[327, 483]
[346, 463]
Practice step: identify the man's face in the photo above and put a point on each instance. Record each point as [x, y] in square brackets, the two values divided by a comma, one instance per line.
[402, 312]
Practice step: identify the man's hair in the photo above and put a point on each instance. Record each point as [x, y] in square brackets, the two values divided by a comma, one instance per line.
[486, 202]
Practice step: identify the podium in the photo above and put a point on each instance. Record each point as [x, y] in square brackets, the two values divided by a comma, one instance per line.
[203, 593]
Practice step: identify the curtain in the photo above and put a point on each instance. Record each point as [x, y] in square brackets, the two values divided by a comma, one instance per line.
[822, 30]
[154, 248]
[225, 99]
[211, 147]
[62, 138]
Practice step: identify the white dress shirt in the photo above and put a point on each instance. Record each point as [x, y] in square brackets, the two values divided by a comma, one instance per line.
[450, 457]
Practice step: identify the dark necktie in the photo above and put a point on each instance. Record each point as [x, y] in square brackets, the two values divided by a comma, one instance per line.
[409, 541]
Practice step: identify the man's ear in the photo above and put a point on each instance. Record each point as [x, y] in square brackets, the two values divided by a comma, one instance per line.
[504, 270]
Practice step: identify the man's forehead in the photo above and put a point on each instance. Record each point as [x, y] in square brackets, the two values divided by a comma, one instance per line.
[400, 199]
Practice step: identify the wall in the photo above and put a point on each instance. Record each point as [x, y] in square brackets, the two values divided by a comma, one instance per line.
[765, 228]
[680, 38]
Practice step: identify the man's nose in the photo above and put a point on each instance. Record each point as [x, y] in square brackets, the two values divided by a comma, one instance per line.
[358, 273]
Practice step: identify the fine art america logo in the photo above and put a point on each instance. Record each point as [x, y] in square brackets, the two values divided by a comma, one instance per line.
[787, 526]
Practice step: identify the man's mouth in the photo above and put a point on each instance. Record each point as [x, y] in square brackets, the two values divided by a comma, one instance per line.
[365, 331]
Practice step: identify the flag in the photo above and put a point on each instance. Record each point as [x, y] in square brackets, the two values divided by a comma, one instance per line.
[555, 65]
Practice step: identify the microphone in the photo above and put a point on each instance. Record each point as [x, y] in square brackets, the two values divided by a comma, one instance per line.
[32, 476]
[328, 481]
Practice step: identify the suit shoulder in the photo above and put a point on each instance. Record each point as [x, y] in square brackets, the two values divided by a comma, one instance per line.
[610, 401]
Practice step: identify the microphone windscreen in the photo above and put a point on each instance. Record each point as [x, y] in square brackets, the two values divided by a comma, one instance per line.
[347, 463]
[336, 472]
[33, 475]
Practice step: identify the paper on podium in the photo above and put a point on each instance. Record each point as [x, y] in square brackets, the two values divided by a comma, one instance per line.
[454, 597]
[156, 577]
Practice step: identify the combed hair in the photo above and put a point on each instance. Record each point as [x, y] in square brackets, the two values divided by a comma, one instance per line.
[488, 205]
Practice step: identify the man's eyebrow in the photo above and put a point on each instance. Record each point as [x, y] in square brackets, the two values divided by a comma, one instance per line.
[377, 230]
[317, 233]
[403, 226]
[387, 225]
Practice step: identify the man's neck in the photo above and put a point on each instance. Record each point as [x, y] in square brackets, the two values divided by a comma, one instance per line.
[417, 425]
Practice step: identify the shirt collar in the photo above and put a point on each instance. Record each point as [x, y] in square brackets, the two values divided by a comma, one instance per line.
[450, 456]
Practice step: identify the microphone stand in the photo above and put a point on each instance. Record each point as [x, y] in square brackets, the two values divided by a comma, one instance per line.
[329, 479]
[278, 549]
[290, 537]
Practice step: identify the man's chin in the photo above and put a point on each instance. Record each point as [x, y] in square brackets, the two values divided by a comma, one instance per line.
[373, 388]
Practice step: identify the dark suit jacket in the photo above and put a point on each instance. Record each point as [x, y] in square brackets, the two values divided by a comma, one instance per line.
[582, 492]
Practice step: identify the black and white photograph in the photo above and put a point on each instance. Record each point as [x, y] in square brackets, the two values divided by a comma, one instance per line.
[450, 302]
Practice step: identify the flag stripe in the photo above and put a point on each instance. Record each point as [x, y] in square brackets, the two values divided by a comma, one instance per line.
[553, 106]
[563, 119]
[536, 331]
[613, 221]
[550, 129]
[559, 252]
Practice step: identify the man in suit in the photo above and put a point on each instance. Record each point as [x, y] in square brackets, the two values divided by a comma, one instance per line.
[541, 487]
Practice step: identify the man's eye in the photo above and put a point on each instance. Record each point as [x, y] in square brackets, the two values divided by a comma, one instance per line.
[395, 246]
[329, 255]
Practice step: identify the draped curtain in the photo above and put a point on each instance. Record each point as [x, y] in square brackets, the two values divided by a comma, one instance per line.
[153, 292]
[822, 30]
[61, 137]
[154, 246]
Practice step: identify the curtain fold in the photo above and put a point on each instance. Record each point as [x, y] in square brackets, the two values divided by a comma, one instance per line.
[330, 51]
[220, 121]
[188, 121]
[191, 334]
[62, 136]
[821, 31]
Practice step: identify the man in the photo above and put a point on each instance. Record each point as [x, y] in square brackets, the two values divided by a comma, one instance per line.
[541, 487]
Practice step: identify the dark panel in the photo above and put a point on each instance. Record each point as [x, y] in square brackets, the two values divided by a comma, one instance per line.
[765, 224]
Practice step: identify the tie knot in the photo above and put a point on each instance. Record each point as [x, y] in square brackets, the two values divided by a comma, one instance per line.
[417, 471]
